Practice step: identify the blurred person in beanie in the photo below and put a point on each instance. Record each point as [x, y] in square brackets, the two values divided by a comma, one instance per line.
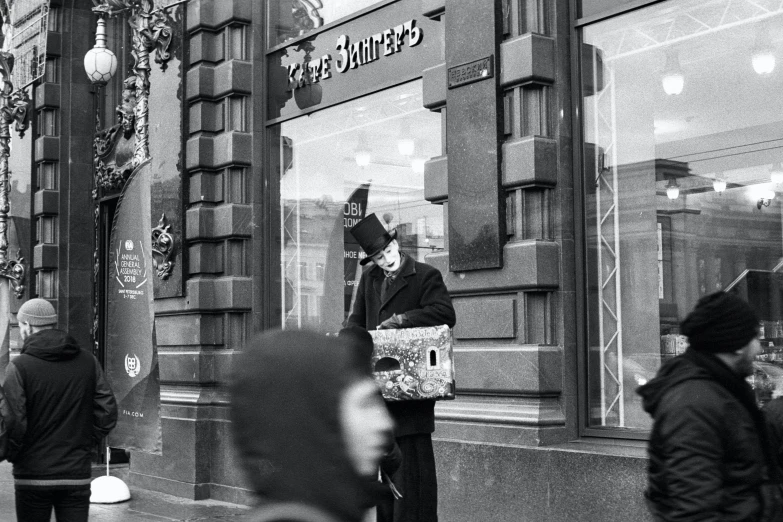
[400, 292]
[708, 449]
[310, 427]
[63, 407]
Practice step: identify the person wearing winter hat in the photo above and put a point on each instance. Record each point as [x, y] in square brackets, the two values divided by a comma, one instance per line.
[63, 406]
[708, 449]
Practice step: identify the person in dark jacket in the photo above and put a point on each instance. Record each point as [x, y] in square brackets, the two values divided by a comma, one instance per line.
[708, 448]
[7, 421]
[310, 427]
[399, 292]
[63, 407]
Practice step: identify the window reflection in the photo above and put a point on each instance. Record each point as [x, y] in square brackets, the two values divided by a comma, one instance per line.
[683, 145]
[336, 167]
[290, 19]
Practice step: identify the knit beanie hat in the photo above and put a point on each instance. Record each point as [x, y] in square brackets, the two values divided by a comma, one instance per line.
[37, 312]
[720, 323]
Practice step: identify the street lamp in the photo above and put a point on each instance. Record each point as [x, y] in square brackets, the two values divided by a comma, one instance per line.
[100, 64]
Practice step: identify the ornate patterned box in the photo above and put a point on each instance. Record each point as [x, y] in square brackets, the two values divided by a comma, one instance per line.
[414, 363]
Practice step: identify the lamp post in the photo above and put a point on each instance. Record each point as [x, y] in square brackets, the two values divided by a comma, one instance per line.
[100, 64]
[13, 109]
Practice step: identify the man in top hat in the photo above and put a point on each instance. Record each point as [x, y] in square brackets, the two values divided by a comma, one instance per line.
[400, 292]
[709, 453]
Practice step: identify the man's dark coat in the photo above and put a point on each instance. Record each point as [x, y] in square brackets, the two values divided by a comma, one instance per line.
[418, 292]
[708, 449]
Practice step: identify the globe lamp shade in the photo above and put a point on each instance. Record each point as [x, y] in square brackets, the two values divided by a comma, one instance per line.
[100, 64]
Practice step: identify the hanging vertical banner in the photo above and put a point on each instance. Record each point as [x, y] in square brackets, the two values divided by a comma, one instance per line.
[342, 259]
[355, 209]
[131, 354]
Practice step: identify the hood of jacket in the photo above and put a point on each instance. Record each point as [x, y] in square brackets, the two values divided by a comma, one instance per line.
[285, 398]
[671, 373]
[51, 345]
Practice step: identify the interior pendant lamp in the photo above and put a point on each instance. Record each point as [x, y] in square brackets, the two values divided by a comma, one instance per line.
[672, 189]
[719, 185]
[672, 80]
[362, 153]
[405, 144]
[100, 64]
[763, 57]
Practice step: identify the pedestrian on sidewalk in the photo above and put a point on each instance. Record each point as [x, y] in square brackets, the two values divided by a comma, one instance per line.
[63, 407]
[7, 421]
[709, 451]
[400, 292]
[310, 427]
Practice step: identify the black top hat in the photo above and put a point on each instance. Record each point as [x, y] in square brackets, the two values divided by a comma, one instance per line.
[372, 236]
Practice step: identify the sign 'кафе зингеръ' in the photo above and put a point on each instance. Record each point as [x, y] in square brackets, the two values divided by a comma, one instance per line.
[352, 55]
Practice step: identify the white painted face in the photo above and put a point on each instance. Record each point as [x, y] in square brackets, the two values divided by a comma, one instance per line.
[367, 426]
[389, 258]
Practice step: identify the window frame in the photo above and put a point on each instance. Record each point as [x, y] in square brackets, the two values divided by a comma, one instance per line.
[580, 232]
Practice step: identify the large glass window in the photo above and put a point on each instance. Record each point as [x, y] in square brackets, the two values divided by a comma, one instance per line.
[336, 167]
[683, 132]
[289, 19]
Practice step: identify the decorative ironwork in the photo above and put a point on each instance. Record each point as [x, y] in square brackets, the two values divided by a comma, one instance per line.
[13, 109]
[157, 35]
[114, 147]
[14, 271]
[162, 248]
[121, 148]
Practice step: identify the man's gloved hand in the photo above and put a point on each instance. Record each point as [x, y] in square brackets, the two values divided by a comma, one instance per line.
[394, 322]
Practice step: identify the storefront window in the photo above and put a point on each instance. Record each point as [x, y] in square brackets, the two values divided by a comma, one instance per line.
[683, 131]
[293, 18]
[336, 167]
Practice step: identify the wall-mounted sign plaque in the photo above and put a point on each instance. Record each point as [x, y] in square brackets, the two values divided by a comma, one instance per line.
[471, 72]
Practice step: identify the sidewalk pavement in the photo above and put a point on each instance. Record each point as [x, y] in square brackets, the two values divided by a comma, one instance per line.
[143, 506]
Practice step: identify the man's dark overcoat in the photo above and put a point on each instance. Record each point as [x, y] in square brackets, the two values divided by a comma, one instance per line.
[418, 291]
[708, 450]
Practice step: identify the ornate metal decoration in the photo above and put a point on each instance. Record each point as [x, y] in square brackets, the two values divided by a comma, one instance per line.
[114, 147]
[14, 271]
[121, 148]
[162, 248]
[13, 108]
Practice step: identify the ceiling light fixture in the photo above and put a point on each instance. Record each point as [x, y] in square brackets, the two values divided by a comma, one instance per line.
[362, 153]
[672, 189]
[719, 185]
[763, 57]
[673, 81]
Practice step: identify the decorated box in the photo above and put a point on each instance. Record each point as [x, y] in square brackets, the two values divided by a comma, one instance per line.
[414, 363]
